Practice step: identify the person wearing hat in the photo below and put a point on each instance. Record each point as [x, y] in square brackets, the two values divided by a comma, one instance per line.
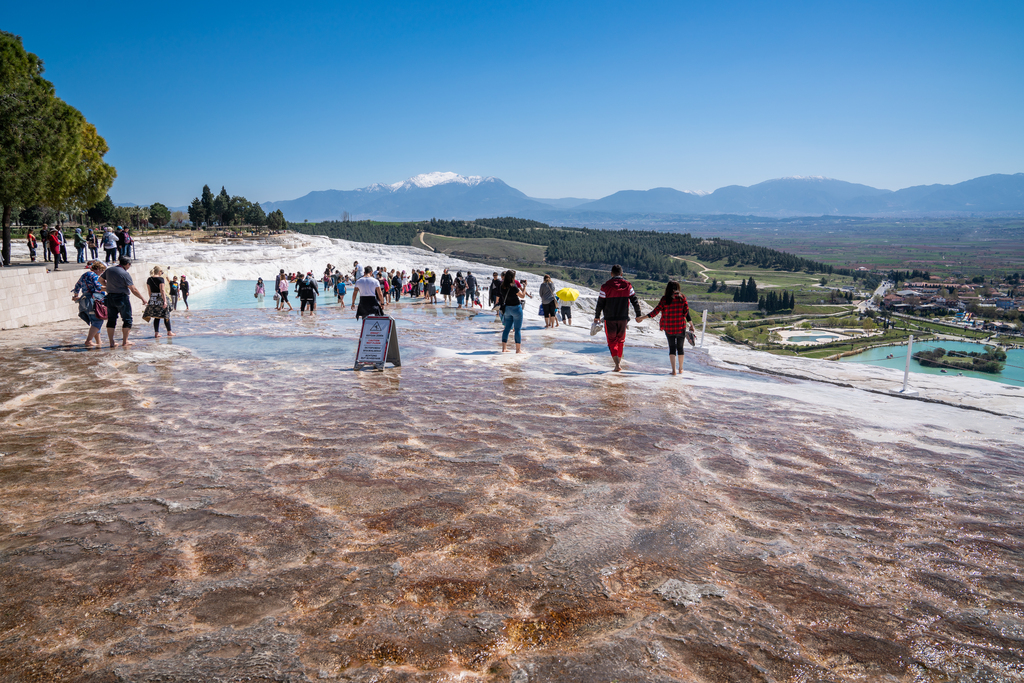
[80, 245]
[53, 241]
[308, 292]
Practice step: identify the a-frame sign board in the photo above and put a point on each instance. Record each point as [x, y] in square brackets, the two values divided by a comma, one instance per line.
[378, 343]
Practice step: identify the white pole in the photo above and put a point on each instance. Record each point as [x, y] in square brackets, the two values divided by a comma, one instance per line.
[906, 370]
[704, 328]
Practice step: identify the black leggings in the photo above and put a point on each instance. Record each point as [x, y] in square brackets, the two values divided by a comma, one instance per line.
[675, 343]
[156, 324]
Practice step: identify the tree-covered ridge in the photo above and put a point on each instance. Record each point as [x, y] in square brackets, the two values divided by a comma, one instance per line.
[642, 251]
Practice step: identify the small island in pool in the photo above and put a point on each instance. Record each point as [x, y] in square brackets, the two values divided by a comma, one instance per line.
[990, 361]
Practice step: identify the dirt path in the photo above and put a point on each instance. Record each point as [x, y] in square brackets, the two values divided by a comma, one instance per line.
[424, 243]
[703, 268]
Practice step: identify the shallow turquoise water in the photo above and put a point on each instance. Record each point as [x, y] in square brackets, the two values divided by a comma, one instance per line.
[814, 338]
[233, 294]
[1013, 372]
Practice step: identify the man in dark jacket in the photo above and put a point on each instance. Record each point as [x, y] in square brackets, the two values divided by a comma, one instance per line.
[613, 300]
[492, 291]
[471, 289]
[308, 292]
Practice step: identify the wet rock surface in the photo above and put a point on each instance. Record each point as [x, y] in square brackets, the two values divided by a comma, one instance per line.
[180, 518]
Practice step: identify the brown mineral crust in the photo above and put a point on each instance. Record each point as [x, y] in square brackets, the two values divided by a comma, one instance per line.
[856, 654]
[713, 663]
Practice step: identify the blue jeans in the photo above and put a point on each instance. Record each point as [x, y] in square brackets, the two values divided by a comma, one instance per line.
[513, 318]
[81, 255]
[119, 303]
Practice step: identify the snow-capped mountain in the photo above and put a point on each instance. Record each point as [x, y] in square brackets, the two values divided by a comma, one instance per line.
[439, 178]
[428, 195]
[450, 195]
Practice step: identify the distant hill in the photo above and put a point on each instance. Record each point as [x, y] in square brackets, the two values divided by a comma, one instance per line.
[452, 196]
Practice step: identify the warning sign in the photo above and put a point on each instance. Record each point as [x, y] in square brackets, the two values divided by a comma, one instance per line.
[378, 343]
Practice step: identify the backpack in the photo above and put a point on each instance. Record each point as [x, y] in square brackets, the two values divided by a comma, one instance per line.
[306, 289]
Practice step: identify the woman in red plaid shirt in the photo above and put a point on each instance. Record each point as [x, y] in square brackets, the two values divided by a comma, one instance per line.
[675, 314]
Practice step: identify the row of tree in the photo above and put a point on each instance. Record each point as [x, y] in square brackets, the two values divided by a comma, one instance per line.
[49, 154]
[774, 302]
[746, 292]
[226, 210]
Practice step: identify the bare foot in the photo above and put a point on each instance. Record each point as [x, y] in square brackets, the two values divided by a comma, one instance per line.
[673, 372]
[127, 343]
[113, 346]
[170, 334]
[617, 369]
[156, 336]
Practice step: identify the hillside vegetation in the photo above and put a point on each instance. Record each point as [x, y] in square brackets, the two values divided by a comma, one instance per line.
[645, 252]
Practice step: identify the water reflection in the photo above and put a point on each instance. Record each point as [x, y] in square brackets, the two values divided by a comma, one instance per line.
[238, 504]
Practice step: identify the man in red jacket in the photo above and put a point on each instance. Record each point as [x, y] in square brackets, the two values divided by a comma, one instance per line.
[613, 300]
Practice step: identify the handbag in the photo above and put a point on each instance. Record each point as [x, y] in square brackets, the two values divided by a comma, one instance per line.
[691, 336]
[101, 310]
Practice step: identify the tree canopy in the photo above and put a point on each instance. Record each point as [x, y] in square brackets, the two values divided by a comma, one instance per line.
[159, 215]
[49, 154]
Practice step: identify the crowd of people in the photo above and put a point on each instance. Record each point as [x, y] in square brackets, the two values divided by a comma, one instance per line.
[115, 242]
[104, 294]
[375, 288]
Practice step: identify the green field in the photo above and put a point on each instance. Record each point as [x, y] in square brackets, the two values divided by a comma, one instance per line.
[971, 246]
[504, 253]
[483, 248]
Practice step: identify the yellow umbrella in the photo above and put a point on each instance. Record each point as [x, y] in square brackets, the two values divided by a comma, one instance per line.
[567, 294]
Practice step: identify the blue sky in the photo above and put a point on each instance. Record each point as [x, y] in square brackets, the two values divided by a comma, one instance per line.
[557, 99]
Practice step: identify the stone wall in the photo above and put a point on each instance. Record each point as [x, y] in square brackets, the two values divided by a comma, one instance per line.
[29, 295]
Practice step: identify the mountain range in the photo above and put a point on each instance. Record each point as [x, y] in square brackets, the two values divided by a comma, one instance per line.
[452, 196]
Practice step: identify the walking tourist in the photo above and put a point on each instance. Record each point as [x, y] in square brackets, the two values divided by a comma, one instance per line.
[675, 314]
[460, 289]
[53, 240]
[158, 306]
[492, 290]
[119, 285]
[613, 300]
[431, 286]
[547, 300]
[173, 291]
[566, 309]
[472, 289]
[44, 237]
[261, 291]
[282, 292]
[396, 287]
[88, 292]
[340, 289]
[446, 286]
[80, 245]
[63, 245]
[31, 239]
[94, 245]
[110, 245]
[371, 298]
[511, 298]
[183, 288]
[308, 292]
